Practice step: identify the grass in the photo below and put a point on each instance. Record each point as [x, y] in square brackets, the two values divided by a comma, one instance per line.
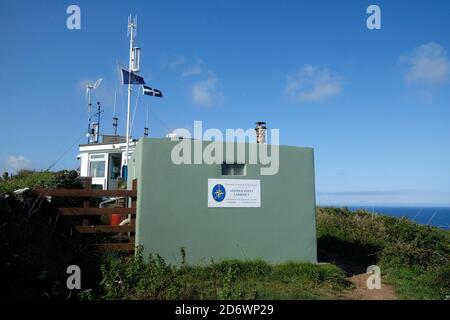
[138, 278]
[414, 258]
[412, 283]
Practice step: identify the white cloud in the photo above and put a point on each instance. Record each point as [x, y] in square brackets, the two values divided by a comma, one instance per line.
[208, 92]
[192, 71]
[428, 64]
[18, 162]
[205, 86]
[173, 61]
[198, 67]
[313, 84]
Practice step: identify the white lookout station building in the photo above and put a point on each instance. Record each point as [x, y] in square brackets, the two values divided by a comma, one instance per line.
[104, 160]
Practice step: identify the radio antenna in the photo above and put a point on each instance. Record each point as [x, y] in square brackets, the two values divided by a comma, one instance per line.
[115, 119]
[146, 123]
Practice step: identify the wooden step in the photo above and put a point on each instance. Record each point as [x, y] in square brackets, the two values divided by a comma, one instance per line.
[105, 229]
[95, 211]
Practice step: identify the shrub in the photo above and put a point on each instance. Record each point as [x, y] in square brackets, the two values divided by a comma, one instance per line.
[360, 226]
[36, 249]
[40, 179]
[131, 277]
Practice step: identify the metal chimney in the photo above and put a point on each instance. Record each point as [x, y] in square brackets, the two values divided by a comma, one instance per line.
[260, 132]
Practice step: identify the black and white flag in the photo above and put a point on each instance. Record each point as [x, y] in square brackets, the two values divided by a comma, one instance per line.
[152, 92]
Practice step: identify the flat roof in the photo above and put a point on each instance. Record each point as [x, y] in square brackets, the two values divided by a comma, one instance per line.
[105, 144]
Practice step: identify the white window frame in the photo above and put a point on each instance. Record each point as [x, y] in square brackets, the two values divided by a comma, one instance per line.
[93, 158]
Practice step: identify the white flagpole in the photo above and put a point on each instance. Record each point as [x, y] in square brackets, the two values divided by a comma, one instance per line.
[131, 26]
[146, 117]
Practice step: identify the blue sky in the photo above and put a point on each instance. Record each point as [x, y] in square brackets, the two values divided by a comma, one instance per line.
[374, 104]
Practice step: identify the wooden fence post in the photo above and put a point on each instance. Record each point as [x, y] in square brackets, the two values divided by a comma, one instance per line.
[132, 237]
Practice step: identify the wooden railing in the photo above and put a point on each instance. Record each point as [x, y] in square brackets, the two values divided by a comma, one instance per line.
[86, 211]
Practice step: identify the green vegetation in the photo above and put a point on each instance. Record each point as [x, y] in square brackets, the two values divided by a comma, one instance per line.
[36, 247]
[38, 179]
[125, 277]
[414, 258]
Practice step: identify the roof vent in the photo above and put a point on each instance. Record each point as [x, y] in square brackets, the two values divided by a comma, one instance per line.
[260, 132]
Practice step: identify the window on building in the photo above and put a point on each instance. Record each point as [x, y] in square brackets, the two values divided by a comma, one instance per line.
[233, 169]
[97, 156]
[97, 166]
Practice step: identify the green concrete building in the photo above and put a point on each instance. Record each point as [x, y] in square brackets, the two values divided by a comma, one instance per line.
[224, 210]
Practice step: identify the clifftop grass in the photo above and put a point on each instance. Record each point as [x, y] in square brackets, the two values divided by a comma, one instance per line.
[35, 248]
[152, 278]
[39, 179]
[414, 258]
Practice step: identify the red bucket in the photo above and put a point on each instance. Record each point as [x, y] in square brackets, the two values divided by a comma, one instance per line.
[116, 219]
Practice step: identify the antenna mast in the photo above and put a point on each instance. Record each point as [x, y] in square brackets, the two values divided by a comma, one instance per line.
[146, 124]
[94, 128]
[132, 25]
[99, 112]
[115, 119]
[88, 92]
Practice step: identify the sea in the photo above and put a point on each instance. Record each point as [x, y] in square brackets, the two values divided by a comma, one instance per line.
[434, 216]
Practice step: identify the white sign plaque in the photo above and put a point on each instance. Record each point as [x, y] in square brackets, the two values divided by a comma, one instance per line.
[234, 193]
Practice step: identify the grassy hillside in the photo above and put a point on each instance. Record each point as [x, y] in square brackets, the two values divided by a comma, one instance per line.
[130, 278]
[38, 179]
[414, 258]
[36, 247]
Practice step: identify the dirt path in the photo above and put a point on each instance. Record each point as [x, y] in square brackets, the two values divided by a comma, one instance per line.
[356, 274]
[361, 292]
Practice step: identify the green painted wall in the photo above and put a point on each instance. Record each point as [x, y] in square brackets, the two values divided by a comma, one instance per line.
[172, 210]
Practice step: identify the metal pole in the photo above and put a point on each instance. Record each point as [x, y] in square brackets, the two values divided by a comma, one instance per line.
[146, 123]
[98, 122]
[131, 26]
[89, 114]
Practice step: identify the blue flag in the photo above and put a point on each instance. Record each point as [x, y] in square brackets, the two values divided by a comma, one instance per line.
[135, 79]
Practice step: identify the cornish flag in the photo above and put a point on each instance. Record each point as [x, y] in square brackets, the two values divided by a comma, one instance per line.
[152, 92]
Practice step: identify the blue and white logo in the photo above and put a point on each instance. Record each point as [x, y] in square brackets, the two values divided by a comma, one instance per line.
[218, 193]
